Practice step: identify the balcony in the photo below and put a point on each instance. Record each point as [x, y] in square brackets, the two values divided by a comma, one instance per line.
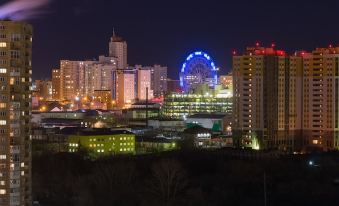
[15, 149]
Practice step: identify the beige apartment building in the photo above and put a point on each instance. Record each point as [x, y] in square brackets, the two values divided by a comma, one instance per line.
[286, 102]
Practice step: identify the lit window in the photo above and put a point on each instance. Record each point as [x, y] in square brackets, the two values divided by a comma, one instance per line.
[3, 44]
[3, 122]
[3, 70]
[2, 157]
[2, 105]
[2, 182]
[2, 192]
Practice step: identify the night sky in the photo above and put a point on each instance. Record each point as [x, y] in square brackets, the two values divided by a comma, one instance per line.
[166, 31]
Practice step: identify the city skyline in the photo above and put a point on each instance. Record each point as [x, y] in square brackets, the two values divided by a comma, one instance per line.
[169, 102]
[156, 36]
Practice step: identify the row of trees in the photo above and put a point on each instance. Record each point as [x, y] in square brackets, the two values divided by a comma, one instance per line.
[184, 178]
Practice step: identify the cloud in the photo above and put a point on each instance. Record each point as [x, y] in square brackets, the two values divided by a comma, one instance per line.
[23, 9]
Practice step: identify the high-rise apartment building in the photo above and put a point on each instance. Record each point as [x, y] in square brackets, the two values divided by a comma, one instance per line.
[81, 78]
[70, 72]
[118, 49]
[99, 76]
[15, 110]
[56, 84]
[287, 102]
[260, 98]
[320, 120]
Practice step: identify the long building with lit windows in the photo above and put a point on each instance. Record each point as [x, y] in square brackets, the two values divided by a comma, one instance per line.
[100, 142]
[286, 102]
[181, 105]
[15, 111]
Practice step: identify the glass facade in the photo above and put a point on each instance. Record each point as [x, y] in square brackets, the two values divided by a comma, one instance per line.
[177, 105]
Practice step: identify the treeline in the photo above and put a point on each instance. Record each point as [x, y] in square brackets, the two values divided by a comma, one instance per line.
[185, 178]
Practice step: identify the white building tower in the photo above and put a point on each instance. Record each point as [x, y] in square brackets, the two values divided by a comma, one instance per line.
[118, 49]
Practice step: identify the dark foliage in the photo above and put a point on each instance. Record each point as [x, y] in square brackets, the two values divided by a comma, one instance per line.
[185, 178]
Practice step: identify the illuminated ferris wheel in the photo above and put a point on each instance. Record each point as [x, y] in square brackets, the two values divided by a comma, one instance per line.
[198, 69]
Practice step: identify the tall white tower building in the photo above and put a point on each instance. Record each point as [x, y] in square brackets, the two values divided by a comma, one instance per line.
[118, 49]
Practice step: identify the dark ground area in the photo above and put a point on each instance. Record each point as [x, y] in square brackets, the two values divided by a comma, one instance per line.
[185, 178]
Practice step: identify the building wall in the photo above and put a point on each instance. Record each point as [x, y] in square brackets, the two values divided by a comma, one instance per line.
[104, 97]
[167, 125]
[43, 89]
[102, 78]
[144, 82]
[159, 80]
[125, 87]
[15, 110]
[103, 144]
[56, 84]
[70, 73]
[320, 99]
[226, 81]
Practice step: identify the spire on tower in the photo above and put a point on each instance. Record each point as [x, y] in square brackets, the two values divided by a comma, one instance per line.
[113, 32]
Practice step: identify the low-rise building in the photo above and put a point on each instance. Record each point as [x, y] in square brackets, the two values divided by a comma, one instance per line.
[167, 124]
[79, 118]
[102, 141]
[154, 145]
[136, 114]
[215, 122]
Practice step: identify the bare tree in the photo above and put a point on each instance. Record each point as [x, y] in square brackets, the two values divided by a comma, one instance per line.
[169, 180]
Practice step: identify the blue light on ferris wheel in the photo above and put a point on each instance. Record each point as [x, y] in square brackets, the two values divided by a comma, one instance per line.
[189, 69]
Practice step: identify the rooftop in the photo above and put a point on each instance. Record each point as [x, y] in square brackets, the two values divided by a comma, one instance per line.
[93, 131]
[208, 116]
